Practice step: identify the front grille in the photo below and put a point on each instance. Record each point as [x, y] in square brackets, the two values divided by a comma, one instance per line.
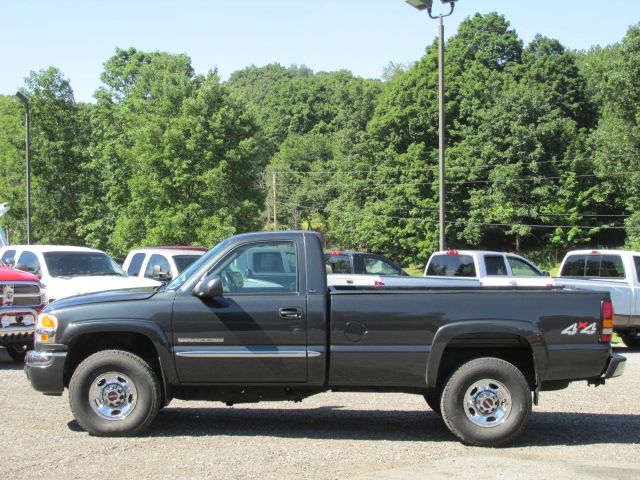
[19, 294]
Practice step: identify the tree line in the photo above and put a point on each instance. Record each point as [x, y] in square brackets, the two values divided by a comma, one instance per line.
[543, 150]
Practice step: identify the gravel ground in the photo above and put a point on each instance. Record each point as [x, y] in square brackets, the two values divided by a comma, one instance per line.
[581, 432]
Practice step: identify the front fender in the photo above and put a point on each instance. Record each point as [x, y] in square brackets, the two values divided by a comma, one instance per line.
[149, 329]
[524, 330]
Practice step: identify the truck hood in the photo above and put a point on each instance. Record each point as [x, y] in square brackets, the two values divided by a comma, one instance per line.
[63, 287]
[103, 297]
[8, 273]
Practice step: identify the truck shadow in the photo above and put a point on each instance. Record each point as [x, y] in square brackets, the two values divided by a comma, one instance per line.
[6, 363]
[335, 422]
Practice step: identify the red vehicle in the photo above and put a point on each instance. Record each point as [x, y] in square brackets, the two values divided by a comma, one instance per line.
[21, 298]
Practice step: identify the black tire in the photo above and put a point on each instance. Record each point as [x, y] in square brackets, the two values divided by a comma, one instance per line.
[119, 377]
[629, 341]
[18, 352]
[433, 400]
[486, 402]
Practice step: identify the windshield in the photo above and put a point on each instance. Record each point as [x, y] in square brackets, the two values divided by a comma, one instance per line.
[69, 264]
[184, 276]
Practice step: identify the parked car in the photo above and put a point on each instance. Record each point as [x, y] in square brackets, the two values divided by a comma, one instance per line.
[67, 271]
[361, 263]
[160, 263]
[21, 298]
[489, 268]
[478, 355]
[613, 271]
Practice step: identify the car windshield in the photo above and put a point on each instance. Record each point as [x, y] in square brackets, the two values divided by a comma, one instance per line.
[184, 276]
[70, 264]
[183, 261]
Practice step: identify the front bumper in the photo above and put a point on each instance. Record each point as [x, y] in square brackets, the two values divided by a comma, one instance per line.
[16, 333]
[45, 371]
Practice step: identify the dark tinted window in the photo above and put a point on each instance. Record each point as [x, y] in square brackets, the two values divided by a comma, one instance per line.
[183, 261]
[603, 266]
[495, 265]
[636, 260]
[574, 266]
[136, 264]
[28, 262]
[338, 263]
[162, 264]
[452, 266]
[68, 264]
[611, 266]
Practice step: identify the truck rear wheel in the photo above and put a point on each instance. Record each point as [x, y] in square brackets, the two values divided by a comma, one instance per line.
[114, 393]
[433, 400]
[486, 402]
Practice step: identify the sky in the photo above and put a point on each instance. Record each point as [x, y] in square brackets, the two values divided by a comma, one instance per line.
[363, 36]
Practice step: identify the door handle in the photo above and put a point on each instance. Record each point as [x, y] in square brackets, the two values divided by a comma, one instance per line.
[290, 312]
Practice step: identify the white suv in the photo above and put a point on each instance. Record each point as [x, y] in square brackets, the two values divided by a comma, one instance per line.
[67, 271]
[161, 263]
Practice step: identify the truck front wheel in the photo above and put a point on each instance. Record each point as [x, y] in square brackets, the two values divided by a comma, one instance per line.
[114, 393]
[486, 402]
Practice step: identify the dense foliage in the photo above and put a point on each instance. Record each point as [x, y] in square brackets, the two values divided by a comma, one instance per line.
[543, 148]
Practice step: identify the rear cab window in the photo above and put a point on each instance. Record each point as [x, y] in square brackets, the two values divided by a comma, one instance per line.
[451, 265]
[593, 266]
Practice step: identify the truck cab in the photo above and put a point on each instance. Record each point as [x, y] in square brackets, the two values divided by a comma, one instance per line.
[613, 271]
[488, 268]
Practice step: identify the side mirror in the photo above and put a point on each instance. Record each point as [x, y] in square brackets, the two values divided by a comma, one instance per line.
[209, 287]
[545, 273]
[11, 262]
[160, 275]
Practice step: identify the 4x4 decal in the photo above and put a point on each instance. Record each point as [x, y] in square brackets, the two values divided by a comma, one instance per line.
[585, 328]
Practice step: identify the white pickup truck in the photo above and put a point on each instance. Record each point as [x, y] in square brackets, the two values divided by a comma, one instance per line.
[488, 268]
[613, 271]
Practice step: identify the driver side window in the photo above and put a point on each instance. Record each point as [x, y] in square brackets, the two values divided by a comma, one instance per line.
[265, 267]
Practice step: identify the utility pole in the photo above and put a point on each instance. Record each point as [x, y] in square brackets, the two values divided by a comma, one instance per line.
[275, 211]
[25, 101]
[426, 5]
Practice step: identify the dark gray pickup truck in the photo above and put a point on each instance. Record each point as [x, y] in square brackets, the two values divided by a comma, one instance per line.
[253, 320]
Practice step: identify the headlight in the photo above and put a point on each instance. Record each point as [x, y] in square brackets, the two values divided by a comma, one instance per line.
[46, 327]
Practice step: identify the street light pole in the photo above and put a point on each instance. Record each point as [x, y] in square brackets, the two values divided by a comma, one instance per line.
[422, 5]
[25, 101]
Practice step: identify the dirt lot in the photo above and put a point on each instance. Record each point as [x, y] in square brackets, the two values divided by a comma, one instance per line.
[581, 432]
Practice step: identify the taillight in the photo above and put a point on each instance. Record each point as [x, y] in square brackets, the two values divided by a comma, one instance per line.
[378, 283]
[606, 331]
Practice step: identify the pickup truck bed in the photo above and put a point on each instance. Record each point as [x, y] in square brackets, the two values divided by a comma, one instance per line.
[222, 332]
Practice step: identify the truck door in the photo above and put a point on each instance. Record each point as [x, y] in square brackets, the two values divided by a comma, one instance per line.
[256, 332]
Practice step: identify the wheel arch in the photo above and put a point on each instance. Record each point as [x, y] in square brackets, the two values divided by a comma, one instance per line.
[144, 339]
[514, 341]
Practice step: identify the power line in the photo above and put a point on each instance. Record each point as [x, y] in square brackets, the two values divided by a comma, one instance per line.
[492, 224]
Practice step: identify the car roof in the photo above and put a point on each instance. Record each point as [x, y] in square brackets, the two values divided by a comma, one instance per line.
[170, 251]
[598, 251]
[471, 252]
[52, 248]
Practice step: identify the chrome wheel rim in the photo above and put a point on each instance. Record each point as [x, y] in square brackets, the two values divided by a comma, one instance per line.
[113, 396]
[487, 403]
